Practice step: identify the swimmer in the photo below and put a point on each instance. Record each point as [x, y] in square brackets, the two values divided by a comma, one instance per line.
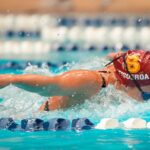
[128, 72]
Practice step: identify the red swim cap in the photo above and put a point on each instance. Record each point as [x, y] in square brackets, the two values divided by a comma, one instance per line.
[138, 64]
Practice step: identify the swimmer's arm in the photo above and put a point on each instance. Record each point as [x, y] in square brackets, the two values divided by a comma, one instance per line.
[42, 85]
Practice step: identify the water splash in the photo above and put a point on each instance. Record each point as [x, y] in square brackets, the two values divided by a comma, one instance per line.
[33, 69]
[109, 102]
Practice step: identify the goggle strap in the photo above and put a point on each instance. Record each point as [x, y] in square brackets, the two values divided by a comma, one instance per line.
[115, 59]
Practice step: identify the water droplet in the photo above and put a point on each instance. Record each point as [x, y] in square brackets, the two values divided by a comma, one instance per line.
[59, 20]
[140, 20]
[28, 34]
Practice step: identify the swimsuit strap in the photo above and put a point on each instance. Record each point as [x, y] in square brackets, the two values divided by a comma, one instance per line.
[104, 84]
[104, 71]
[46, 108]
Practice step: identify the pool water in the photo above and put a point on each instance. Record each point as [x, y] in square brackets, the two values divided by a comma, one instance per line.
[89, 140]
[109, 102]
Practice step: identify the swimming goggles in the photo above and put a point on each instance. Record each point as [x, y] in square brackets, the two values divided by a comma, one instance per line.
[145, 95]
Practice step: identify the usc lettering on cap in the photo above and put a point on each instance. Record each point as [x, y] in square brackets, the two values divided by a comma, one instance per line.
[133, 63]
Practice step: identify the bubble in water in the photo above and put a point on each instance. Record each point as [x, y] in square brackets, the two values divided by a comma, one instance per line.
[34, 69]
[140, 20]
[59, 20]
[28, 34]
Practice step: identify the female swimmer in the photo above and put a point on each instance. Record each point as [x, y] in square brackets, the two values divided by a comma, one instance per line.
[129, 72]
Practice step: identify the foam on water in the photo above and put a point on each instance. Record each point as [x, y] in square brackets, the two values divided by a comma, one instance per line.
[109, 102]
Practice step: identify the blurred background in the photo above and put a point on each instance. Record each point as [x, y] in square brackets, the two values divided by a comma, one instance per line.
[61, 31]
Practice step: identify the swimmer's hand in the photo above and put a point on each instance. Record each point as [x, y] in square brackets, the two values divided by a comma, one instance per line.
[114, 55]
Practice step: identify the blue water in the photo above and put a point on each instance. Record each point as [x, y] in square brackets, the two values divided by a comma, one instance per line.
[62, 140]
[20, 104]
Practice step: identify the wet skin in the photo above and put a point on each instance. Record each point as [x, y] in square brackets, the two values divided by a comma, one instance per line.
[69, 88]
[72, 86]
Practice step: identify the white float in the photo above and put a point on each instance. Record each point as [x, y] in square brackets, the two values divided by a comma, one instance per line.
[7, 47]
[15, 48]
[48, 33]
[101, 35]
[130, 36]
[144, 35]
[26, 47]
[59, 34]
[135, 123]
[45, 20]
[89, 34]
[115, 35]
[21, 22]
[108, 123]
[75, 34]
[8, 22]
[33, 22]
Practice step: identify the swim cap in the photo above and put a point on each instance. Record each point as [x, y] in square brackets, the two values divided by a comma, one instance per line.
[138, 64]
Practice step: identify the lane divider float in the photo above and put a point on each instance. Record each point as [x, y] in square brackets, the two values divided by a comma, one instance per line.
[79, 124]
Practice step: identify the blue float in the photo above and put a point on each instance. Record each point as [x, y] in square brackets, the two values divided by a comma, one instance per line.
[32, 124]
[57, 124]
[82, 124]
[8, 123]
[54, 124]
[10, 34]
